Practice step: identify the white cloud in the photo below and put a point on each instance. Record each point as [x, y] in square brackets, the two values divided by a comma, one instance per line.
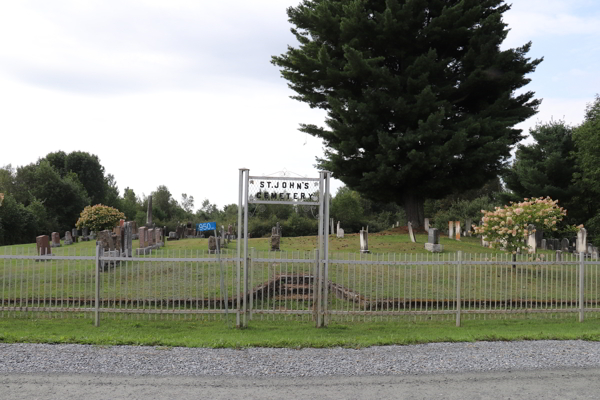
[533, 19]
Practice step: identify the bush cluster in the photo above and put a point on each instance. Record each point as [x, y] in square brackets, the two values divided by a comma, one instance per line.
[99, 217]
[507, 226]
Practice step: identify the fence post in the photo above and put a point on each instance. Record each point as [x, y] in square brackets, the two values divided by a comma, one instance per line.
[251, 285]
[319, 292]
[581, 285]
[246, 294]
[97, 302]
[458, 300]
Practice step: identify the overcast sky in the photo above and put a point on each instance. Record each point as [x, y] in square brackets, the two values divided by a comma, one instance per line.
[182, 92]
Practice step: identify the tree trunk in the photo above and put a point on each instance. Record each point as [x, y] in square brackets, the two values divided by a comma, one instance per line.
[413, 206]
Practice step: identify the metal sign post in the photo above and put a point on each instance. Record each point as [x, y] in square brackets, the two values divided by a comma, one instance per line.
[296, 191]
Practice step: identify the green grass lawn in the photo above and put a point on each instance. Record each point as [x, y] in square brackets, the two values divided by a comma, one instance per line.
[74, 280]
[216, 334]
[384, 242]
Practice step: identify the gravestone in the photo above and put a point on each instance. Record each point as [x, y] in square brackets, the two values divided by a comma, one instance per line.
[42, 244]
[468, 227]
[543, 244]
[151, 237]
[122, 245]
[68, 238]
[74, 235]
[134, 230]
[275, 241]
[581, 246]
[128, 240]
[531, 239]
[484, 241]
[84, 232]
[212, 243]
[558, 255]
[426, 224]
[364, 241]
[142, 235]
[450, 229]
[457, 230]
[55, 239]
[411, 234]
[105, 240]
[433, 241]
[179, 232]
[117, 241]
[158, 236]
[564, 245]
[539, 236]
[339, 231]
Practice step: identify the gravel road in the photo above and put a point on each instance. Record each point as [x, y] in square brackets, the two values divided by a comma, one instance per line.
[261, 362]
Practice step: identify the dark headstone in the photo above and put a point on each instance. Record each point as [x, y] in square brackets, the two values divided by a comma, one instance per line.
[539, 235]
[564, 245]
[212, 243]
[105, 240]
[42, 244]
[143, 236]
[434, 236]
[68, 238]
[128, 239]
[55, 239]
[275, 241]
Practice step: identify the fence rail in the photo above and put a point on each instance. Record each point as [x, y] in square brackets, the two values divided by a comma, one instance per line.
[297, 285]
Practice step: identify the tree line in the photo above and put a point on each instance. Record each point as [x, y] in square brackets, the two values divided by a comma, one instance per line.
[50, 194]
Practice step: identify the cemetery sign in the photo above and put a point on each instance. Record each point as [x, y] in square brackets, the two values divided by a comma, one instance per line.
[283, 190]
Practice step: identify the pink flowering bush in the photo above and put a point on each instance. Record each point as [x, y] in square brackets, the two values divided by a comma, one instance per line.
[507, 226]
[99, 217]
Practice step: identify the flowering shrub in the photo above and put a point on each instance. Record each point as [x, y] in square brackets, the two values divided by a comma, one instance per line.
[507, 226]
[99, 217]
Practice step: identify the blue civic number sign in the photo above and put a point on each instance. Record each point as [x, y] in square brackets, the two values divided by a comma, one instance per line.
[206, 226]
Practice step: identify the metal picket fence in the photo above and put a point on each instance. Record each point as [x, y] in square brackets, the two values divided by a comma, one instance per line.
[296, 285]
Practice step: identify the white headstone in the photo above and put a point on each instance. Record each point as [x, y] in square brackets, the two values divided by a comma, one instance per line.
[581, 246]
[450, 229]
[531, 242]
[426, 225]
[411, 234]
[457, 230]
[468, 227]
[364, 241]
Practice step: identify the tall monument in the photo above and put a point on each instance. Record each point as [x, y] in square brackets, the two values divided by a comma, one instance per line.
[149, 213]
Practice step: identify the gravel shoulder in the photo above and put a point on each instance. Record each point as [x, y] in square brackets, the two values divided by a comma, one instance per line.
[435, 358]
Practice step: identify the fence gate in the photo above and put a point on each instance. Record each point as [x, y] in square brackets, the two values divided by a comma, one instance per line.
[298, 192]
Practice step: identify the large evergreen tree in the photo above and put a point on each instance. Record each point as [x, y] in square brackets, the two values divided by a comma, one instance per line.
[420, 98]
